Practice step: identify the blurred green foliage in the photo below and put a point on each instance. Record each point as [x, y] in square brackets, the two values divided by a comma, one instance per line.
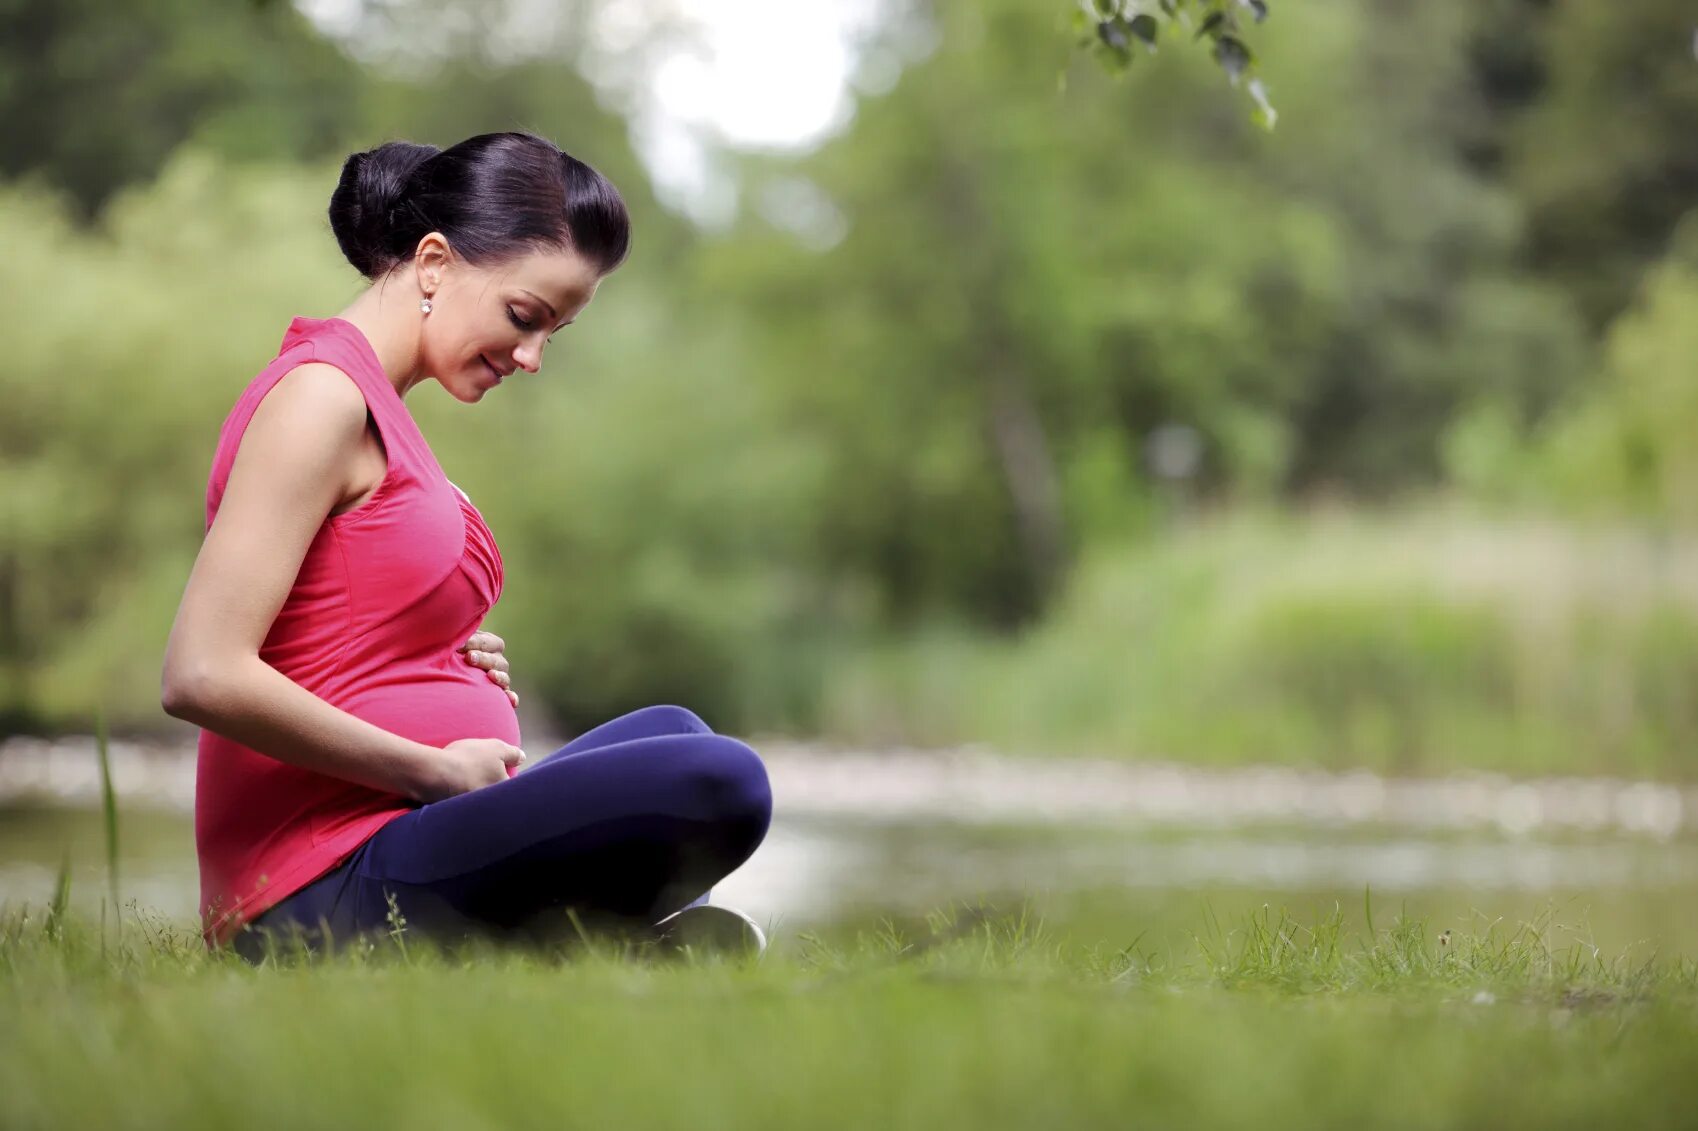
[95, 96]
[1604, 159]
[1627, 444]
[1412, 641]
[868, 457]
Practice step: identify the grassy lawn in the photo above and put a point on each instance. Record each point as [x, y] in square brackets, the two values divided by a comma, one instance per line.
[962, 1020]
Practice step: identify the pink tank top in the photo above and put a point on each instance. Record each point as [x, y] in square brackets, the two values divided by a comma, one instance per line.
[385, 595]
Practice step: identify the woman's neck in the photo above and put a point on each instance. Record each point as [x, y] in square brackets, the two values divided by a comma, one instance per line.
[389, 318]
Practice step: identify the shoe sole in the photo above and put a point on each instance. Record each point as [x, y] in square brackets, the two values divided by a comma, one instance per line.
[711, 929]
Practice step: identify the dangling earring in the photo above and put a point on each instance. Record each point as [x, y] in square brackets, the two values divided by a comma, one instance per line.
[424, 304]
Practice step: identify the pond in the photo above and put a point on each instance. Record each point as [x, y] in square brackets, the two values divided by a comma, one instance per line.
[1097, 882]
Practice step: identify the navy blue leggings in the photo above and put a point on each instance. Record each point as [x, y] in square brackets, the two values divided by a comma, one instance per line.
[623, 825]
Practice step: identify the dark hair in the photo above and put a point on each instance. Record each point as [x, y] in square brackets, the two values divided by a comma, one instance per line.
[492, 196]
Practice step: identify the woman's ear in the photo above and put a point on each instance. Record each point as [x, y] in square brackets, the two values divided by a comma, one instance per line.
[430, 261]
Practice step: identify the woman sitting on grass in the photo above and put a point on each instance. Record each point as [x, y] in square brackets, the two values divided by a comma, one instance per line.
[359, 734]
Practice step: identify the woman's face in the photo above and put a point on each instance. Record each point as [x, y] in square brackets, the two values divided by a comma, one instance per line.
[484, 323]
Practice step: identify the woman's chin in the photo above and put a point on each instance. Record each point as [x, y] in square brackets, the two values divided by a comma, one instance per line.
[467, 390]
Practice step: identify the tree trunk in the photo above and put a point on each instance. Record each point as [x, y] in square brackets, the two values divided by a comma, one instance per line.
[1028, 474]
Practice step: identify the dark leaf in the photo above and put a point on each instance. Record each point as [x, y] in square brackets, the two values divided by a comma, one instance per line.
[1106, 8]
[1258, 8]
[1214, 25]
[1232, 56]
[1170, 8]
[1115, 33]
[1144, 26]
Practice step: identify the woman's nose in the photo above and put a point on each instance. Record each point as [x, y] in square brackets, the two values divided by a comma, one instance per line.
[528, 357]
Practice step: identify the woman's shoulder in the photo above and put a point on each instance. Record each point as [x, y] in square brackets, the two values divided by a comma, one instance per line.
[313, 396]
[311, 413]
[311, 417]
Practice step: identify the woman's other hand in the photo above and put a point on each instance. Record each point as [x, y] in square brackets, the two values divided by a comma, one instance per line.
[487, 651]
[468, 764]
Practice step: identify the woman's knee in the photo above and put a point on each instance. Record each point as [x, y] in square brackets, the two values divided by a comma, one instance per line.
[731, 781]
[669, 719]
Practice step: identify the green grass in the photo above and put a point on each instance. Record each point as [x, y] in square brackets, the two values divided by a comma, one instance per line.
[967, 1019]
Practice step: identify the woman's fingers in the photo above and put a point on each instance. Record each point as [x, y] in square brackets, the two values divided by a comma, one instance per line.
[490, 661]
[485, 650]
[482, 641]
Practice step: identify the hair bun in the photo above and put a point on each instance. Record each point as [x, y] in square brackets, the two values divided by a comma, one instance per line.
[371, 185]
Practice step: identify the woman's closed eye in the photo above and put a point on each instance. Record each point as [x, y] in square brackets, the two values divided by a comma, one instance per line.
[525, 325]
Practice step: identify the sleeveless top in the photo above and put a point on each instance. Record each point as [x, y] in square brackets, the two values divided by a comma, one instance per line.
[384, 596]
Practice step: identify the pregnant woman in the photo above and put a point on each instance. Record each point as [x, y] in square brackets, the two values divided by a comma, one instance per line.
[359, 747]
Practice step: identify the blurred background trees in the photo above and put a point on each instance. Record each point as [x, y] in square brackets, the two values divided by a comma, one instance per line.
[1022, 409]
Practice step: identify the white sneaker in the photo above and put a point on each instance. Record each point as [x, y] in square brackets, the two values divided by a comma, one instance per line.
[709, 929]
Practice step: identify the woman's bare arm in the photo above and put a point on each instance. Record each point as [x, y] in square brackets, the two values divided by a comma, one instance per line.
[293, 466]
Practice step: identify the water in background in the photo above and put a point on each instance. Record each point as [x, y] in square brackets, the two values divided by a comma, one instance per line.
[1096, 882]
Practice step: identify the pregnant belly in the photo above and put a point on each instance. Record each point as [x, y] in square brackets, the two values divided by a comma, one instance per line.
[435, 702]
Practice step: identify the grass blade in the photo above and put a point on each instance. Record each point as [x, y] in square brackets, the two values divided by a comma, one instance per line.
[109, 802]
[61, 899]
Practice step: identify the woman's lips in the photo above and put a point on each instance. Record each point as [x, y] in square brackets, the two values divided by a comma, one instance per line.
[494, 373]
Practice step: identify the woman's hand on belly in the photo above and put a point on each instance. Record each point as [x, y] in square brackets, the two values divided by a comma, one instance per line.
[488, 651]
[470, 763]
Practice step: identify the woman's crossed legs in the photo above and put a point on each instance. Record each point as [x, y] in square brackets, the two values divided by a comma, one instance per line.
[626, 823]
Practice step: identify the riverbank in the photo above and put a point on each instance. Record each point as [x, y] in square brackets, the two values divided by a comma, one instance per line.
[976, 786]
